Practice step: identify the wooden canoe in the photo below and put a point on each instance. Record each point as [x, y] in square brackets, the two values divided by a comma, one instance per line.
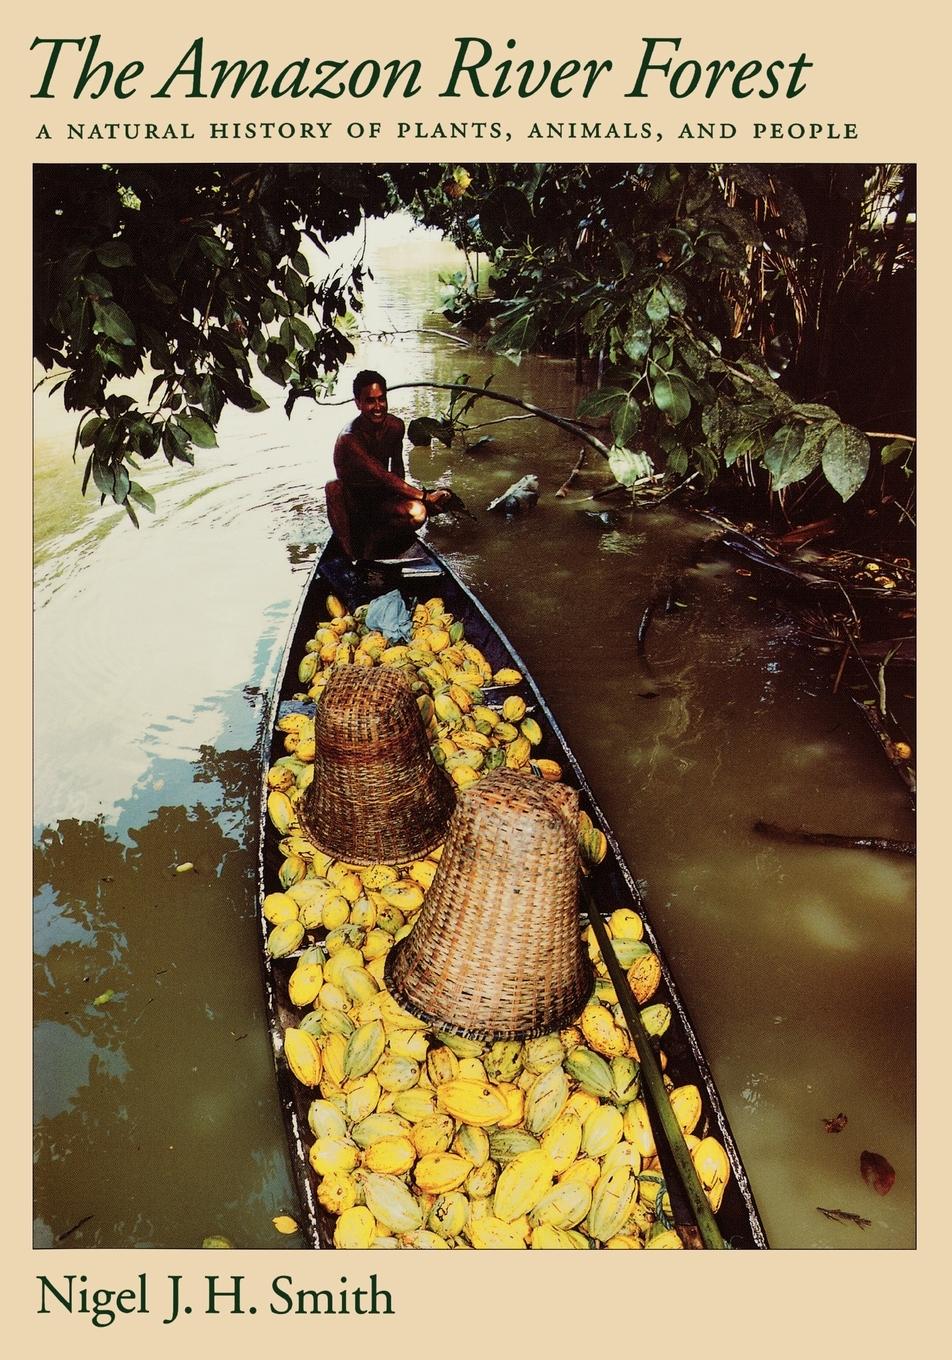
[423, 576]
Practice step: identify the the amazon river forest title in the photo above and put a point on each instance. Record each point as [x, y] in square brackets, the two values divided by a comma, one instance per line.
[85, 68]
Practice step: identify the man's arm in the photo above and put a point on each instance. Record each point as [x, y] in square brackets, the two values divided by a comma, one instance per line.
[397, 432]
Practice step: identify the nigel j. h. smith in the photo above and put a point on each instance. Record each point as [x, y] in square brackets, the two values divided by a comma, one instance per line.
[216, 1295]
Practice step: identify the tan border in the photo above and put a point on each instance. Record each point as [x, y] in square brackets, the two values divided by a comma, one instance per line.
[875, 66]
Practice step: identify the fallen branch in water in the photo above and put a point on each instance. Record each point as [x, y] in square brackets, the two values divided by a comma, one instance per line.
[665, 597]
[75, 1228]
[419, 330]
[887, 846]
[842, 1216]
[575, 471]
[898, 761]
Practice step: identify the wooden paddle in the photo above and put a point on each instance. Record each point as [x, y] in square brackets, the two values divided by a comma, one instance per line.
[672, 1150]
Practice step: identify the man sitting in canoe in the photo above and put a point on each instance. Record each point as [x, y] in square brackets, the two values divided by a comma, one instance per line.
[373, 510]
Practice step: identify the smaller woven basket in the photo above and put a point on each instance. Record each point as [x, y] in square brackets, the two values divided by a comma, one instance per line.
[496, 951]
[377, 793]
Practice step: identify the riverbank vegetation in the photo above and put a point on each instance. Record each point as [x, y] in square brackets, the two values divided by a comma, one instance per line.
[747, 327]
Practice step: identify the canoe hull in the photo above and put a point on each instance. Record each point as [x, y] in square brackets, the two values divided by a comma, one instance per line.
[612, 884]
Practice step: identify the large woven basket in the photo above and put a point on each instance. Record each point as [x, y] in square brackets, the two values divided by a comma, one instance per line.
[377, 794]
[496, 950]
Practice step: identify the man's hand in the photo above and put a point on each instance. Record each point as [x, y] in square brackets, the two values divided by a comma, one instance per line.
[436, 500]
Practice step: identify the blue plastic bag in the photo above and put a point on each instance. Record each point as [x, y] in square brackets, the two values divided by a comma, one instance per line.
[389, 615]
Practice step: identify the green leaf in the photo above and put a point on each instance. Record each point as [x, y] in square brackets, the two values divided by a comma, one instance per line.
[104, 998]
[425, 428]
[88, 432]
[736, 447]
[198, 430]
[601, 402]
[803, 460]
[214, 251]
[715, 423]
[675, 293]
[303, 332]
[121, 484]
[897, 449]
[629, 466]
[845, 459]
[111, 320]
[678, 461]
[625, 256]
[115, 255]
[671, 397]
[626, 420]
[783, 448]
[103, 477]
[130, 512]
[638, 335]
[142, 497]
[294, 288]
[657, 307]
[814, 410]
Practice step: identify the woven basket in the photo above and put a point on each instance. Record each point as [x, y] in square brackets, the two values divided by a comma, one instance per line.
[496, 951]
[377, 794]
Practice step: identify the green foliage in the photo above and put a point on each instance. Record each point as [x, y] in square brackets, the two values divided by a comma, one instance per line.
[689, 285]
[699, 291]
[200, 276]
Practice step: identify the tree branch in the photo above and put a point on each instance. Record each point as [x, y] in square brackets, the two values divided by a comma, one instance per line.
[492, 395]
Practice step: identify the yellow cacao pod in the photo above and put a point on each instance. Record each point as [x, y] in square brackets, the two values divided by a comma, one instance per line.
[438, 1172]
[303, 1056]
[471, 1102]
[522, 1183]
[355, 1229]
[392, 1203]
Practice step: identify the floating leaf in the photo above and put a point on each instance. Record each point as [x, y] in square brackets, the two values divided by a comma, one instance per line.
[877, 1172]
[217, 1241]
[104, 998]
[284, 1223]
[836, 1124]
[185, 868]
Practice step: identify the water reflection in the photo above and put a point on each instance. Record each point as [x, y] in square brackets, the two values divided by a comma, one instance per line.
[196, 1130]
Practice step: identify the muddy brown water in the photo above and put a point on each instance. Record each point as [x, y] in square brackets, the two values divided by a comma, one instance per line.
[156, 1118]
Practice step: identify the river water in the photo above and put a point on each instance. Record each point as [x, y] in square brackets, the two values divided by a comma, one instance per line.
[156, 1116]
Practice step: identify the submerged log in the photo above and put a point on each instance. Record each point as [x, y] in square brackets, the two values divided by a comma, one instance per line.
[887, 846]
[522, 495]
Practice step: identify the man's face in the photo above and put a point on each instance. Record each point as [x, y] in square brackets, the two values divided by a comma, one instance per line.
[372, 403]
